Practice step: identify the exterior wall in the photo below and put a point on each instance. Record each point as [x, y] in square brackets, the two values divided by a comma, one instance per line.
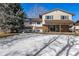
[37, 25]
[72, 28]
[41, 30]
[45, 28]
[77, 29]
[38, 29]
[56, 15]
[64, 28]
[0, 29]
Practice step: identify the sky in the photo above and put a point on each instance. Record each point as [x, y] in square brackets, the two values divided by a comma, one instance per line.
[69, 7]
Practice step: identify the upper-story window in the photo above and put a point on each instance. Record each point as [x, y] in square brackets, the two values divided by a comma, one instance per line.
[49, 17]
[64, 17]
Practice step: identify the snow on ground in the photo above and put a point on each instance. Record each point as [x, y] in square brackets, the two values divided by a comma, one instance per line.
[29, 44]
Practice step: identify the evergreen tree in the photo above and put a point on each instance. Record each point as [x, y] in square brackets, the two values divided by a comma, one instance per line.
[18, 12]
[13, 17]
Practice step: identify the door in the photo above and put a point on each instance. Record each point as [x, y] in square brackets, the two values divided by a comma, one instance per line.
[54, 28]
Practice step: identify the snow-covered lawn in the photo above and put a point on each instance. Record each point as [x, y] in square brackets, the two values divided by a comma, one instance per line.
[29, 44]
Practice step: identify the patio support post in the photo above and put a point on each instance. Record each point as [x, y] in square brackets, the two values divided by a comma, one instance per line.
[60, 27]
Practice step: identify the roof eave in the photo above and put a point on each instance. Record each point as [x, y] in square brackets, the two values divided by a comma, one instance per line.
[60, 10]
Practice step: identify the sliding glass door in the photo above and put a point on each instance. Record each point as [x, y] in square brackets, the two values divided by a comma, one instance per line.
[54, 28]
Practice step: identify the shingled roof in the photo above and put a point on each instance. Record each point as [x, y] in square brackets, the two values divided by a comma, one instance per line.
[58, 22]
[59, 10]
[35, 19]
[77, 23]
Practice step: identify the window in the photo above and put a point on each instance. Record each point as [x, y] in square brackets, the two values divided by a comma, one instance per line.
[49, 17]
[64, 17]
[54, 28]
[38, 22]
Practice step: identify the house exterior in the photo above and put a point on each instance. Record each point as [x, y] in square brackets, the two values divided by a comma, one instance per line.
[54, 21]
[37, 24]
[28, 27]
[33, 25]
[57, 21]
[76, 28]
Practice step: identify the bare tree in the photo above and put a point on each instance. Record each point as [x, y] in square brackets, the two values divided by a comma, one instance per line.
[36, 10]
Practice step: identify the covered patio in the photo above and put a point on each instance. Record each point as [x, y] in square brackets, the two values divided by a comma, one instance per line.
[58, 28]
[58, 25]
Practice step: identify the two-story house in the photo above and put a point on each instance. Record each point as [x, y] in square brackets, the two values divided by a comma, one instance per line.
[57, 21]
[54, 21]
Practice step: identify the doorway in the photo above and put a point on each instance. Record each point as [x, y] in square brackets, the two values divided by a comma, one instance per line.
[54, 28]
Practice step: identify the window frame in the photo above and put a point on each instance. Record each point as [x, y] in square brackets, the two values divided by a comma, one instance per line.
[50, 17]
[38, 22]
[64, 17]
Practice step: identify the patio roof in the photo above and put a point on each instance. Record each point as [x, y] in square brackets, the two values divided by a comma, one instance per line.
[58, 22]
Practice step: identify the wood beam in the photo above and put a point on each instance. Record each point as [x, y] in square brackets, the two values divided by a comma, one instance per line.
[60, 27]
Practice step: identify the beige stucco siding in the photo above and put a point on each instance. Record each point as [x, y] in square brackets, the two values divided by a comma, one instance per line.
[77, 29]
[57, 15]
